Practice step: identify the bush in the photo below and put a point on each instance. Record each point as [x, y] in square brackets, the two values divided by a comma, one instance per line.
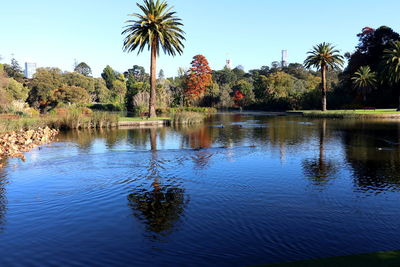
[107, 107]
[191, 109]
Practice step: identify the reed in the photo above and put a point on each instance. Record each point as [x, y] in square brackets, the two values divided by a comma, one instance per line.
[71, 120]
[187, 118]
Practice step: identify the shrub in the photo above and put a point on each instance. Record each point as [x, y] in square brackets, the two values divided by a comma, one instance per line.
[106, 107]
[191, 109]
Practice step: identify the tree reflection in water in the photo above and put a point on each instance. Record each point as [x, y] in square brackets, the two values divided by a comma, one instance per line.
[162, 206]
[320, 170]
[3, 198]
[374, 154]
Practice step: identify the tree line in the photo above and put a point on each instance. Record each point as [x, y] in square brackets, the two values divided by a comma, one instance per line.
[371, 78]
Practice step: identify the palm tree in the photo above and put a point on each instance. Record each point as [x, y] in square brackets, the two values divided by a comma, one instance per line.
[323, 57]
[391, 61]
[156, 27]
[364, 79]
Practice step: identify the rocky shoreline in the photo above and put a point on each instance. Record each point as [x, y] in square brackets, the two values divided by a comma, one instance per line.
[14, 144]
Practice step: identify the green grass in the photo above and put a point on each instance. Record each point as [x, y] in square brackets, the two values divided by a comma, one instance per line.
[143, 119]
[358, 113]
[387, 258]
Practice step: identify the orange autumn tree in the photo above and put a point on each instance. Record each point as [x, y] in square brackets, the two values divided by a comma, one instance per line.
[199, 78]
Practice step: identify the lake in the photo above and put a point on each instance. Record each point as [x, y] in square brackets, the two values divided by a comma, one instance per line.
[241, 189]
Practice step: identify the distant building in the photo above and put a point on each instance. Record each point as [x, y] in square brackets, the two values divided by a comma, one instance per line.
[30, 69]
[284, 62]
[228, 64]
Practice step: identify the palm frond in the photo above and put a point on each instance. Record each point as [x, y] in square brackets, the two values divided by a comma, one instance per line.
[157, 25]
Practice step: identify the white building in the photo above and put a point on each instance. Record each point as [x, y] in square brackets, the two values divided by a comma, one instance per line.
[284, 62]
[30, 69]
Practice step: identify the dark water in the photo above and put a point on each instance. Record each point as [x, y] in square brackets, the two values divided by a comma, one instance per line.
[240, 190]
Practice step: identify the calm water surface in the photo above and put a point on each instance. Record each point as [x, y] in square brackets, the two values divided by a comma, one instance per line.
[242, 189]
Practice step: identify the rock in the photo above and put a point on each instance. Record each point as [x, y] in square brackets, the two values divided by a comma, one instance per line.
[13, 144]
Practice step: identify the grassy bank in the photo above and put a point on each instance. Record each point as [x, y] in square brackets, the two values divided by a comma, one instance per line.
[65, 121]
[387, 258]
[359, 113]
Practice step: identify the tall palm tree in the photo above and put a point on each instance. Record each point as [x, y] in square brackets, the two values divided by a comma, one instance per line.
[364, 79]
[156, 27]
[391, 61]
[323, 57]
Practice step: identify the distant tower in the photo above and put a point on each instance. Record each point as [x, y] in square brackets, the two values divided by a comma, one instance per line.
[284, 62]
[30, 69]
[228, 64]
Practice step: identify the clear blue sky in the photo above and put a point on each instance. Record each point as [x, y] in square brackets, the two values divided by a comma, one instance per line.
[252, 33]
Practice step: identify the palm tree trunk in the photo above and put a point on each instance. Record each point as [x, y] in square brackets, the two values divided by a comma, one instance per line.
[323, 99]
[153, 69]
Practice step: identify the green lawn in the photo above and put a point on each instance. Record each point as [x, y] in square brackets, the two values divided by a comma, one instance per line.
[143, 119]
[387, 258]
[350, 111]
[358, 113]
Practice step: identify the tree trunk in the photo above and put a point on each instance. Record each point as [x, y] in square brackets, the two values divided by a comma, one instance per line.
[323, 88]
[153, 69]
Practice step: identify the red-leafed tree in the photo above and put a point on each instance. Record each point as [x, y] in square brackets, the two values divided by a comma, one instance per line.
[238, 96]
[199, 78]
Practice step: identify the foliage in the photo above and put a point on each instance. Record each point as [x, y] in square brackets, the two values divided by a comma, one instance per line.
[225, 76]
[324, 57]
[101, 93]
[83, 68]
[14, 70]
[191, 109]
[17, 90]
[225, 97]
[136, 91]
[118, 91]
[79, 80]
[43, 85]
[138, 72]
[199, 78]
[364, 79]
[109, 76]
[71, 94]
[105, 107]
[391, 60]
[243, 93]
[187, 117]
[156, 28]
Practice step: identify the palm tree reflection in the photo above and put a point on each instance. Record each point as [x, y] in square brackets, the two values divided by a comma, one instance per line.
[161, 206]
[3, 199]
[320, 170]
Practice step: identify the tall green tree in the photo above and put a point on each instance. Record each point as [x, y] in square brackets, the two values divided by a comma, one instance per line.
[323, 57]
[364, 79]
[14, 70]
[391, 61]
[109, 76]
[156, 28]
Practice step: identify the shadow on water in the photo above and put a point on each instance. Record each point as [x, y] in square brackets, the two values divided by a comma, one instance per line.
[161, 206]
